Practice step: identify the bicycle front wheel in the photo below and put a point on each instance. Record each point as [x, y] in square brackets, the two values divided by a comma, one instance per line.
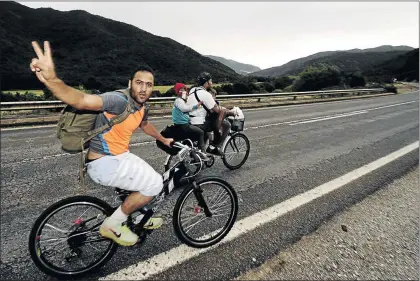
[203, 216]
[65, 242]
[236, 151]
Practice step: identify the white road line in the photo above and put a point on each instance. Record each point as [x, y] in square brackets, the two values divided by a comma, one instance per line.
[291, 106]
[285, 107]
[182, 253]
[328, 118]
[391, 105]
[290, 123]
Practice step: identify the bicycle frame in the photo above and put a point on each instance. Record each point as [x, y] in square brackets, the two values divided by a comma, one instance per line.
[168, 185]
[229, 136]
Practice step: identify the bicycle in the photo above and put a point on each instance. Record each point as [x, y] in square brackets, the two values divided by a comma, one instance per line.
[236, 141]
[83, 229]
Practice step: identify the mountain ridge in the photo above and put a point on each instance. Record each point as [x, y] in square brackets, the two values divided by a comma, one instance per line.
[239, 67]
[93, 50]
[374, 55]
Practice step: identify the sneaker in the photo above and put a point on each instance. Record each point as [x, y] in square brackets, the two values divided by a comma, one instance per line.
[203, 156]
[214, 151]
[121, 234]
[153, 223]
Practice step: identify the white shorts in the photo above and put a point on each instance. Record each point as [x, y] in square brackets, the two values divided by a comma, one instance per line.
[126, 171]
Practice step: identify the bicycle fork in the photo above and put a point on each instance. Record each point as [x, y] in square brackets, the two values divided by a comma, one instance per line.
[198, 192]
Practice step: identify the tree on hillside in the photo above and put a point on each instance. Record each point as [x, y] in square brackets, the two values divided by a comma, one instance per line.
[355, 80]
[241, 88]
[268, 87]
[318, 76]
[283, 82]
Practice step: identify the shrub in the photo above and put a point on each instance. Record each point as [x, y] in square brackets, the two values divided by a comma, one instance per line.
[7, 97]
[390, 88]
[268, 87]
[283, 82]
[227, 88]
[289, 88]
[156, 93]
[169, 93]
[241, 88]
[355, 80]
[318, 76]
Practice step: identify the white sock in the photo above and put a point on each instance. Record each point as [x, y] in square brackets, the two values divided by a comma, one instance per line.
[118, 217]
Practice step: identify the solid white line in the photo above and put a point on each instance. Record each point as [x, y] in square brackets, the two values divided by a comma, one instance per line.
[291, 123]
[328, 118]
[182, 253]
[386, 106]
[308, 120]
[286, 107]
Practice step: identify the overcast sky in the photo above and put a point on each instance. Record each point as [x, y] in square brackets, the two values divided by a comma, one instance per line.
[264, 34]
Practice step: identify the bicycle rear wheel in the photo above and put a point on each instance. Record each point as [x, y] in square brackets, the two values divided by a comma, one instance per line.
[222, 202]
[69, 232]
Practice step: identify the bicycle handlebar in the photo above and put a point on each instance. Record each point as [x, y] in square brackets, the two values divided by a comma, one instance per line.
[180, 145]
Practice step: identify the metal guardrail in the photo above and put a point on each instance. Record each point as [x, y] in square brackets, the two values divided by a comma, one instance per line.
[31, 105]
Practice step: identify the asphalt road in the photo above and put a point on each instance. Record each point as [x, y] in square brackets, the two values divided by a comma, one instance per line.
[293, 149]
[355, 244]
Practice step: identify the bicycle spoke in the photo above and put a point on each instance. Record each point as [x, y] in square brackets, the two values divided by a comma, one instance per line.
[53, 240]
[219, 215]
[56, 228]
[84, 212]
[187, 229]
[221, 209]
[219, 198]
[220, 204]
[90, 245]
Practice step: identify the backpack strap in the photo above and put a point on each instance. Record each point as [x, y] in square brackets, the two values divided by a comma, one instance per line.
[114, 120]
[93, 133]
[196, 97]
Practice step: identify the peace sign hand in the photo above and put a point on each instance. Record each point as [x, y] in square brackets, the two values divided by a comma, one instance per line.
[43, 66]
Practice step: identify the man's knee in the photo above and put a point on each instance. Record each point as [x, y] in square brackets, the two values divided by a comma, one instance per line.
[226, 124]
[156, 185]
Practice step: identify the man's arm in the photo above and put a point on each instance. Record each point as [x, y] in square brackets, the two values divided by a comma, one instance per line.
[74, 97]
[218, 109]
[44, 69]
[149, 129]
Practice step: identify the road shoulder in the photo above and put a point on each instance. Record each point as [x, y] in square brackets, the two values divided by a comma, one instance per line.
[378, 238]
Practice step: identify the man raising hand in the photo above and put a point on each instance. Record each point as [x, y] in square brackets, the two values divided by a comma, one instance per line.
[109, 161]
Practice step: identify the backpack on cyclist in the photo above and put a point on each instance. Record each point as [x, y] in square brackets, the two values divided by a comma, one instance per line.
[76, 128]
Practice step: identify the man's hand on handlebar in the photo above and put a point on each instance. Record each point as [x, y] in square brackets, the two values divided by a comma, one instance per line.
[168, 142]
[232, 113]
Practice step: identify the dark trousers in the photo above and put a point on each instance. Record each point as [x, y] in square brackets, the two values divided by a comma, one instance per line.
[194, 133]
[218, 138]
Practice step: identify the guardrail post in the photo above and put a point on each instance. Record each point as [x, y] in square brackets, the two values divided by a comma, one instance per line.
[294, 97]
